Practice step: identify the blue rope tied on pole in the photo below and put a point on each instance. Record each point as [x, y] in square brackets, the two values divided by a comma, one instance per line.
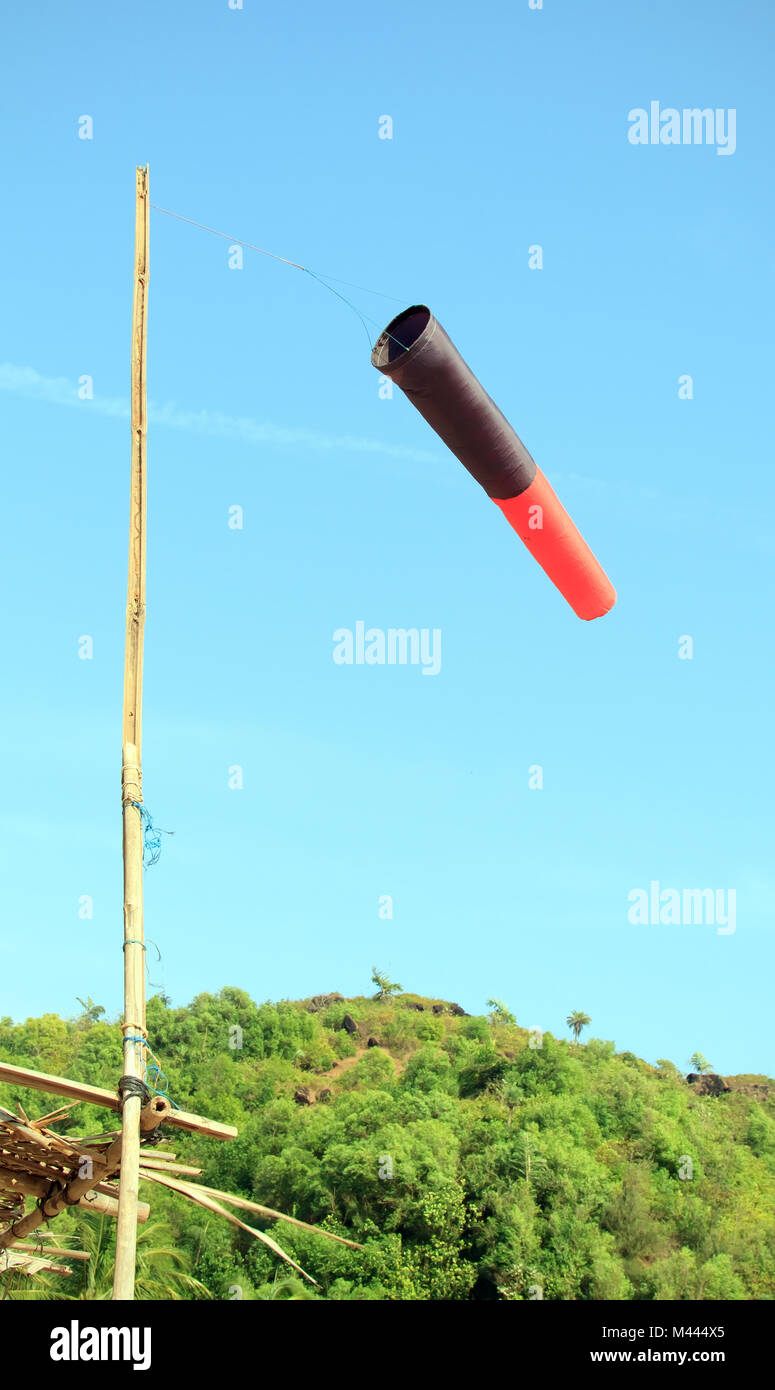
[151, 836]
[153, 1070]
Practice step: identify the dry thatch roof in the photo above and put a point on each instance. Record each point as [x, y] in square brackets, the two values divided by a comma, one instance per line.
[33, 1158]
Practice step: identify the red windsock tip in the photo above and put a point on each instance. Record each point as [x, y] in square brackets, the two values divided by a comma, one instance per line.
[540, 520]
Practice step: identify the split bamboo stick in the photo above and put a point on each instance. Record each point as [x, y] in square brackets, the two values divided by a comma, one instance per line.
[30, 1264]
[183, 1169]
[52, 1250]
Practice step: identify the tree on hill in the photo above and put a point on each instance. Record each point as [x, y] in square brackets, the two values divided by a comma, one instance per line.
[92, 1012]
[511, 1094]
[576, 1021]
[385, 986]
[466, 1163]
[529, 1161]
[667, 1067]
[699, 1063]
[499, 1014]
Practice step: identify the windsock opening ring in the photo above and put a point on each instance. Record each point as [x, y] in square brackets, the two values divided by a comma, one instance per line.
[401, 335]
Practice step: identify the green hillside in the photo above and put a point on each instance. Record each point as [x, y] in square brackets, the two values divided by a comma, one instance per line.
[471, 1159]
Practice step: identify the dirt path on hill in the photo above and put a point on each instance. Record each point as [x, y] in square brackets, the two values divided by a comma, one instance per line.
[323, 1079]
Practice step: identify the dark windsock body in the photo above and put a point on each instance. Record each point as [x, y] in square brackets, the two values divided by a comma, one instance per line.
[416, 353]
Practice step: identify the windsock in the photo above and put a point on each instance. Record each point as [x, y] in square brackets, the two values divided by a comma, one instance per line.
[416, 353]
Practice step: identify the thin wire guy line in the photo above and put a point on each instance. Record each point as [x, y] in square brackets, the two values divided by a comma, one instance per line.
[318, 275]
[273, 254]
[235, 239]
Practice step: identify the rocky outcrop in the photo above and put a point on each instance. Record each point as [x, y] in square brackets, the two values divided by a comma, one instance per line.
[318, 1002]
[707, 1084]
[755, 1090]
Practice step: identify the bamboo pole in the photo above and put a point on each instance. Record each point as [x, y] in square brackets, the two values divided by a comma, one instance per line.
[131, 772]
[98, 1095]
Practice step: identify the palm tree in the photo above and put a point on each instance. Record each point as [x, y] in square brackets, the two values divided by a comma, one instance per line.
[699, 1063]
[500, 1014]
[510, 1094]
[161, 1268]
[576, 1021]
[528, 1158]
[92, 1012]
[385, 985]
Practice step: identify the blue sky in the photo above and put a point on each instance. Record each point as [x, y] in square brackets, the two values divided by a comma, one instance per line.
[509, 130]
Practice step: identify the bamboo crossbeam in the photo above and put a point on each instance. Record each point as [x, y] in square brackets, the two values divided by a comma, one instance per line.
[95, 1200]
[97, 1095]
[104, 1193]
[51, 1250]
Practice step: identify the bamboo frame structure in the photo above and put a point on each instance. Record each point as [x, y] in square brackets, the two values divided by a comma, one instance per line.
[131, 771]
[102, 1172]
[56, 1170]
[38, 1163]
